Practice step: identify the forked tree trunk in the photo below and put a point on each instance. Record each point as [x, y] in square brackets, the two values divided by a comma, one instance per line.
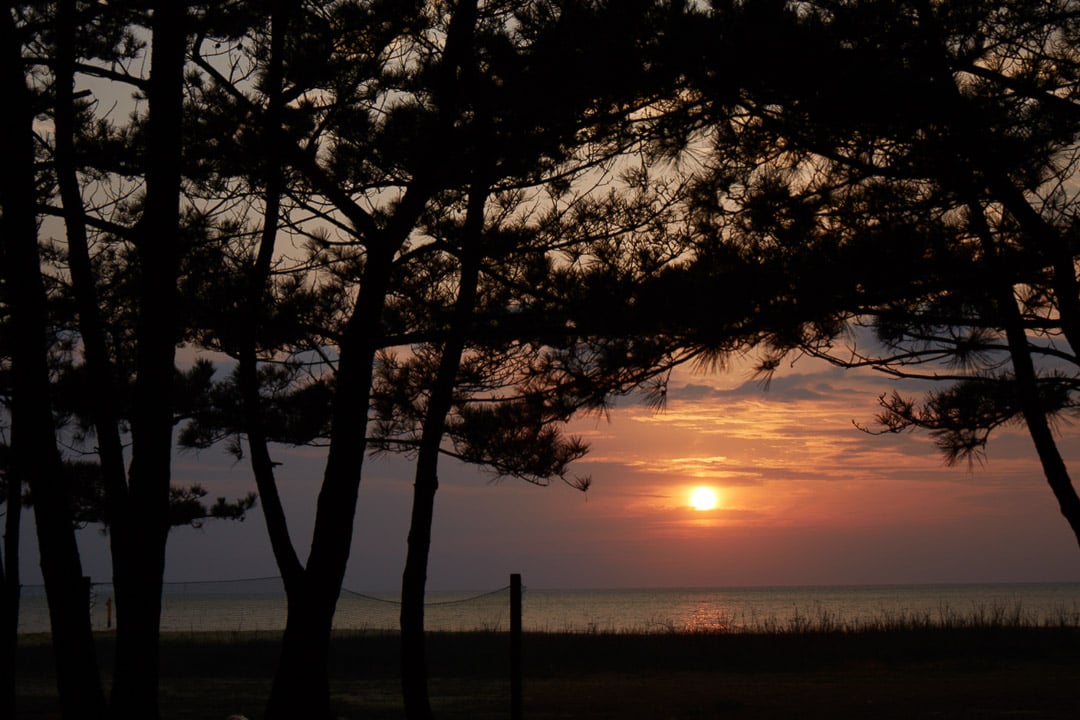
[301, 683]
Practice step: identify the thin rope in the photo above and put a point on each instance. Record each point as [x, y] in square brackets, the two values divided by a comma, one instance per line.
[190, 582]
[430, 604]
[218, 582]
[354, 593]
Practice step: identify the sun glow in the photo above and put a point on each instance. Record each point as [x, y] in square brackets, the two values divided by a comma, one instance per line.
[703, 498]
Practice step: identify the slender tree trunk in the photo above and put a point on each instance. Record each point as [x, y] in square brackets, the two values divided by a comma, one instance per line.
[1050, 240]
[414, 687]
[9, 597]
[1002, 293]
[1027, 381]
[259, 274]
[1067, 293]
[301, 685]
[145, 520]
[102, 386]
[414, 673]
[36, 459]
[1042, 435]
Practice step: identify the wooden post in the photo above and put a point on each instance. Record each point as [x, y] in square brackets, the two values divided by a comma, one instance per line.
[515, 647]
[88, 595]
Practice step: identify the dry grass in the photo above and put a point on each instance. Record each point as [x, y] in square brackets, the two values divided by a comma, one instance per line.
[995, 670]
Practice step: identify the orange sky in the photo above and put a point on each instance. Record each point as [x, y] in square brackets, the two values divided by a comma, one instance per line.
[805, 498]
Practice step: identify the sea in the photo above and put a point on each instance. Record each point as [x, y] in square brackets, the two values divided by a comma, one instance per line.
[258, 604]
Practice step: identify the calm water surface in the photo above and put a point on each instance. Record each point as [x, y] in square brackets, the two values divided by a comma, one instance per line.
[260, 605]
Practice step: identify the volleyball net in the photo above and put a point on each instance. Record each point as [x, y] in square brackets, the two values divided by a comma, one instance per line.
[259, 604]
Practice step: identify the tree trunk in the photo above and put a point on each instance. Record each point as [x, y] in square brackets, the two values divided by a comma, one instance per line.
[414, 669]
[140, 536]
[35, 458]
[1001, 284]
[414, 676]
[1026, 379]
[1053, 242]
[1066, 291]
[102, 386]
[1042, 435]
[301, 684]
[262, 466]
[9, 597]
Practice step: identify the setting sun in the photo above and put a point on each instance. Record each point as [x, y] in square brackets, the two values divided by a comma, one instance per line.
[703, 498]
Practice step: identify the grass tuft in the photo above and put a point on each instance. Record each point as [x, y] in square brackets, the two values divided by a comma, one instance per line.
[989, 662]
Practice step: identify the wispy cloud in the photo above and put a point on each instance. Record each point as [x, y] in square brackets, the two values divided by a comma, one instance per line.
[791, 455]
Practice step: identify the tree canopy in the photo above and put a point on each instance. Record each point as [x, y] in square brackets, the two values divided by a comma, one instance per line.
[916, 178]
[444, 228]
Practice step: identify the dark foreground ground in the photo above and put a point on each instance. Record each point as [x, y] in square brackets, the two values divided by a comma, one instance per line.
[1015, 673]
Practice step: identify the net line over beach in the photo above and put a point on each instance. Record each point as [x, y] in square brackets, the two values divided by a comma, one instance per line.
[259, 604]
